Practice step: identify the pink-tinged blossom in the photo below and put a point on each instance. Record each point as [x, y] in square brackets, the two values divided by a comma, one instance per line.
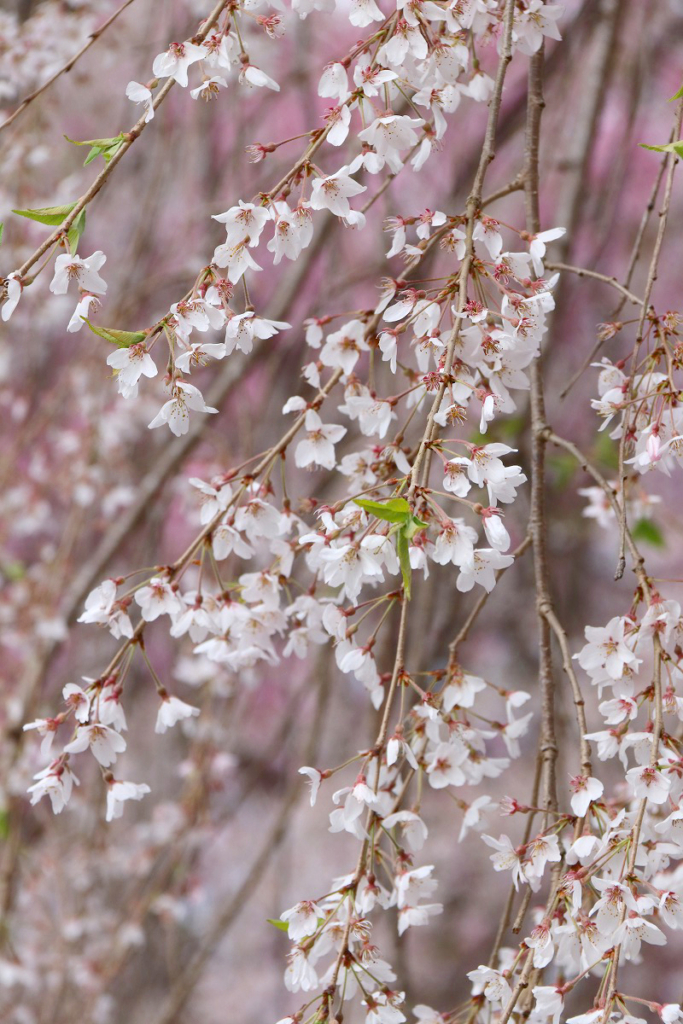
[364, 12]
[244, 223]
[609, 909]
[540, 942]
[444, 767]
[81, 312]
[373, 415]
[342, 349]
[209, 88]
[389, 136]
[57, 782]
[370, 78]
[475, 816]
[537, 246]
[334, 83]
[102, 607]
[461, 691]
[549, 1003]
[252, 75]
[618, 710]
[585, 791]
[109, 706]
[486, 230]
[348, 817]
[293, 232]
[607, 650]
[455, 544]
[495, 531]
[635, 930]
[413, 830]
[129, 364]
[413, 886]
[661, 618]
[226, 539]
[333, 193]
[300, 975]
[138, 93]
[105, 743]
[397, 746]
[243, 328]
[492, 984]
[505, 858]
[175, 411]
[670, 1013]
[175, 61]
[302, 920]
[158, 598]
[83, 271]
[46, 728]
[649, 783]
[382, 1007]
[314, 780]
[13, 294]
[317, 448]
[236, 258]
[481, 567]
[119, 792]
[338, 122]
[540, 851]
[214, 499]
[171, 711]
[77, 699]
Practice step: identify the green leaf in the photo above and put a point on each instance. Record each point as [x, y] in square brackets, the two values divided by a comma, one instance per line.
[75, 231]
[50, 215]
[276, 923]
[413, 526]
[4, 824]
[671, 147]
[2, 231]
[396, 510]
[403, 552]
[123, 339]
[99, 147]
[648, 532]
[677, 95]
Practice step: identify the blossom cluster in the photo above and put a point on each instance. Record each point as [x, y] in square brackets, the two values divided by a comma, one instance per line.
[390, 470]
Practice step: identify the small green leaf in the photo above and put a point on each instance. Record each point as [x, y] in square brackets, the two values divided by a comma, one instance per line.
[677, 95]
[413, 526]
[99, 147]
[276, 923]
[671, 147]
[75, 231]
[4, 824]
[50, 215]
[2, 231]
[648, 532]
[123, 339]
[403, 552]
[396, 510]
